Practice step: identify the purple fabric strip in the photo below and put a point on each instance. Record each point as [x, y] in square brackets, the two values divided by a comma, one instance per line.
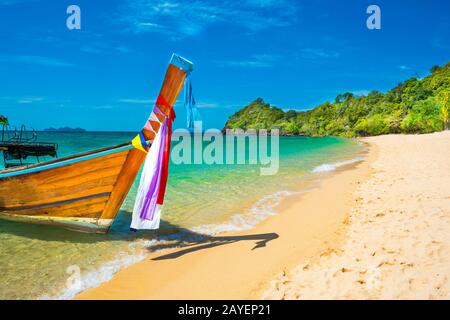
[157, 110]
[149, 205]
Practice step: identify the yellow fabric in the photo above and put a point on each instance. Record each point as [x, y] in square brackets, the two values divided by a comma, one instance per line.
[136, 142]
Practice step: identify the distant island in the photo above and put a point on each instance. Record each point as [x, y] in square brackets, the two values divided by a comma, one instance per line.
[414, 106]
[65, 129]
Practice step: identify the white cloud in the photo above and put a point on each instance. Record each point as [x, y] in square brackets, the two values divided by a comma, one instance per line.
[136, 101]
[315, 53]
[183, 18]
[360, 93]
[256, 61]
[29, 100]
[104, 107]
[90, 49]
[11, 2]
[102, 48]
[266, 3]
[123, 49]
[403, 67]
[207, 105]
[39, 60]
[440, 43]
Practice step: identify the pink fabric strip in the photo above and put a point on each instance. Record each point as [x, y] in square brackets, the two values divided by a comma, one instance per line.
[149, 127]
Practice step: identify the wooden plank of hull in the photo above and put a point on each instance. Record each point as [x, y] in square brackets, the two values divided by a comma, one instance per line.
[91, 225]
[77, 180]
[86, 207]
[78, 214]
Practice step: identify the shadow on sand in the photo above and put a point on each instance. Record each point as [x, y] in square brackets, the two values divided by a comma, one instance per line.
[171, 236]
[211, 242]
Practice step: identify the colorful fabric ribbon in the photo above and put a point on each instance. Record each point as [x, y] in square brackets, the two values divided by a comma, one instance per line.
[139, 142]
[192, 114]
[152, 186]
[157, 116]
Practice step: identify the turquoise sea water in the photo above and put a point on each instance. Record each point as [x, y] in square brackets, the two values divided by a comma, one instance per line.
[201, 200]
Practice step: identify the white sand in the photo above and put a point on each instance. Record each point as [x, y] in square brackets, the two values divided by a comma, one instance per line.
[398, 236]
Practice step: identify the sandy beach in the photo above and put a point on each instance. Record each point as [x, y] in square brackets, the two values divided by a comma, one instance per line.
[398, 242]
[375, 229]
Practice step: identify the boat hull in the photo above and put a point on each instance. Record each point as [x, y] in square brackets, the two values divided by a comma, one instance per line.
[87, 225]
[72, 192]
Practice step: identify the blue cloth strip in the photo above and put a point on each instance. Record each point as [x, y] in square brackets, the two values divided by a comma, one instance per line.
[192, 114]
[143, 141]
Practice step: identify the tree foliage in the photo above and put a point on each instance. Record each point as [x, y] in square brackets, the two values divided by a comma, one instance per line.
[413, 106]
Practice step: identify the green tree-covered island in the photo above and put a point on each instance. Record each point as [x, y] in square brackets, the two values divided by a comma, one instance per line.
[414, 106]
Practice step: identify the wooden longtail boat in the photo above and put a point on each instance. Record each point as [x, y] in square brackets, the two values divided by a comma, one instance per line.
[84, 192]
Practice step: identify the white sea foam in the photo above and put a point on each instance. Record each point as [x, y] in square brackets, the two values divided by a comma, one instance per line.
[261, 210]
[94, 278]
[333, 166]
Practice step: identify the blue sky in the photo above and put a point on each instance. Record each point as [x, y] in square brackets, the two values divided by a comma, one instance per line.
[294, 54]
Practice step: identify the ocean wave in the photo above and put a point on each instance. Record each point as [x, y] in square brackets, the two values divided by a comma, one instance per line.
[261, 210]
[333, 166]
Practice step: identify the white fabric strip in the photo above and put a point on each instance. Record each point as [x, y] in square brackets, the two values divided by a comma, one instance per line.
[154, 117]
[148, 171]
